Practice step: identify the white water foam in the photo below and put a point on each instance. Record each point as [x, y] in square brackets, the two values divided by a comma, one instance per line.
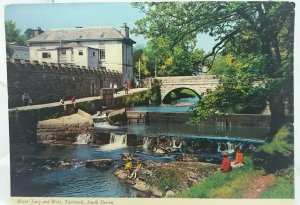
[105, 125]
[116, 141]
[83, 138]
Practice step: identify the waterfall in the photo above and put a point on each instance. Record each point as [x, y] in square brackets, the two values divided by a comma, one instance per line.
[83, 138]
[146, 143]
[117, 141]
[219, 147]
[176, 145]
[230, 147]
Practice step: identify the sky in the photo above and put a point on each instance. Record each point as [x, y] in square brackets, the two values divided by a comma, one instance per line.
[69, 15]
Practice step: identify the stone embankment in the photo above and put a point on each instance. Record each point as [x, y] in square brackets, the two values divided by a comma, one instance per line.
[65, 128]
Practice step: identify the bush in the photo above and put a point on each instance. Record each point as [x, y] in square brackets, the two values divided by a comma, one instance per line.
[155, 94]
[279, 153]
[169, 178]
[136, 99]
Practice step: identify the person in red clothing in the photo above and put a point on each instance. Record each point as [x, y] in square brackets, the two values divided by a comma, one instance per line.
[225, 167]
[239, 158]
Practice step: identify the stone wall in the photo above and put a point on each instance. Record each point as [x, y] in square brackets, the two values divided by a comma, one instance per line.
[230, 120]
[23, 123]
[47, 83]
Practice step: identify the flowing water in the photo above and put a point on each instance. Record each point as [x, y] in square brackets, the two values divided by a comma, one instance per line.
[59, 170]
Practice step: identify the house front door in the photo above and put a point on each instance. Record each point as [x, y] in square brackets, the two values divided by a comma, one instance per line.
[62, 56]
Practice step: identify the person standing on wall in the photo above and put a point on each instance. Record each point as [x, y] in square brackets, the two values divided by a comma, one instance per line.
[126, 87]
[24, 99]
[73, 101]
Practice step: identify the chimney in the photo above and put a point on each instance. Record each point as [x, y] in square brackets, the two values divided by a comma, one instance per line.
[125, 30]
[37, 31]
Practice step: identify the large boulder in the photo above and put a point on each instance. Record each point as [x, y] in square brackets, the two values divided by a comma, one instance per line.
[117, 117]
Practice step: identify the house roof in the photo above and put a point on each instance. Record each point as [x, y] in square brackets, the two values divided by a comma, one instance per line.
[79, 34]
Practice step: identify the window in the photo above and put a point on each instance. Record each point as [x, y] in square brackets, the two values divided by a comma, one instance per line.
[80, 52]
[93, 53]
[46, 55]
[102, 54]
[63, 52]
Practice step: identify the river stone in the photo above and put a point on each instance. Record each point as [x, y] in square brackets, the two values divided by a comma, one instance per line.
[170, 193]
[99, 163]
[120, 174]
[155, 191]
[141, 186]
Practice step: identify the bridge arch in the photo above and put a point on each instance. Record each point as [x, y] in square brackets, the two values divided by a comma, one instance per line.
[167, 92]
[199, 83]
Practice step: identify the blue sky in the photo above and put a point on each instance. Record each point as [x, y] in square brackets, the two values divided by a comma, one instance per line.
[51, 16]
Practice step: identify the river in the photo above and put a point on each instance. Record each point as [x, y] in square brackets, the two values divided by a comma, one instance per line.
[48, 175]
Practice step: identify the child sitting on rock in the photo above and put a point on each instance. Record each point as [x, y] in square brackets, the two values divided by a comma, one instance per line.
[137, 169]
[128, 166]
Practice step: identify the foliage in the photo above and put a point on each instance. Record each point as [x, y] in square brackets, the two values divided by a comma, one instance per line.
[283, 186]
[263, 29]
[224, 185]
[142, 98]
[155, 95]
[136, 99]
[169, 178]
[279, 153]
[243, 88]
[13, 35]
[165, 61]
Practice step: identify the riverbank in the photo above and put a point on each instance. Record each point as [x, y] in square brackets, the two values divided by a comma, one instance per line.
[165, 179]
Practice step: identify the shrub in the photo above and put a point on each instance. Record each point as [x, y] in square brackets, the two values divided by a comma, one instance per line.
[169, 178]
[279, 153]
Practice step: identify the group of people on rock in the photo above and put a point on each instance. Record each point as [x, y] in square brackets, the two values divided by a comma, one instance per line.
[238, 162]
[128, 168]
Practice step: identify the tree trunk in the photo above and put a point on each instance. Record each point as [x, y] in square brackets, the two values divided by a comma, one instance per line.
[277, 113]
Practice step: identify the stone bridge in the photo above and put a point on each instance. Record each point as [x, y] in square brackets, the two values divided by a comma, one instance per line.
[199, 84]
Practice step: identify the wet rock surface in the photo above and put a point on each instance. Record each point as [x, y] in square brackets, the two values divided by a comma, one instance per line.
[99, 163]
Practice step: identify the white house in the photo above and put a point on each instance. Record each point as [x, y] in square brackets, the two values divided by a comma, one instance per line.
[103, 47]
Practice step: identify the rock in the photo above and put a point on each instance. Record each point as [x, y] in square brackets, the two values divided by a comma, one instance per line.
[141, 186]
[117, 116]
[170, 193]
[155, 191]
[159, 151]
[99, 163]
[120, 174]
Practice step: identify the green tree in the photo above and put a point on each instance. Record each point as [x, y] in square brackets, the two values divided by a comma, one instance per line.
[13, 35]
[261, 28]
